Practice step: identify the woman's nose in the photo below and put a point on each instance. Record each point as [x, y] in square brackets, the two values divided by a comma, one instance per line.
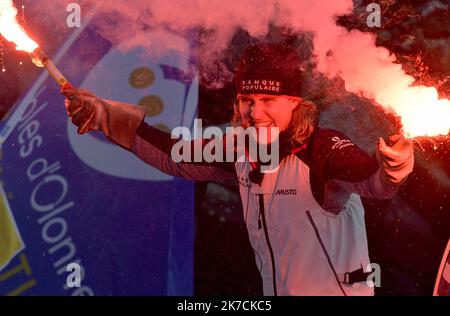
[257, 110]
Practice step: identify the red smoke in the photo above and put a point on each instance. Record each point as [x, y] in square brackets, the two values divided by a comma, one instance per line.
[366, 69]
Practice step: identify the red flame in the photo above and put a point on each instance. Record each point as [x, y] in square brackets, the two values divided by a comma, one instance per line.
[11, 29]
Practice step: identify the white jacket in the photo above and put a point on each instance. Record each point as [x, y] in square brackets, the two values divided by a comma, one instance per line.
[301, 249]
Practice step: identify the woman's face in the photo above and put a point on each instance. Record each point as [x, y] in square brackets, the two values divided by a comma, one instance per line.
[265, 111]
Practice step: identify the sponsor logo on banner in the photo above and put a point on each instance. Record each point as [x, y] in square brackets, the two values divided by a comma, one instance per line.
[138, 81]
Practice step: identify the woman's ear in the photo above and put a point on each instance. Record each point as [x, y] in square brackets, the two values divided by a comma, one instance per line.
[294, 104]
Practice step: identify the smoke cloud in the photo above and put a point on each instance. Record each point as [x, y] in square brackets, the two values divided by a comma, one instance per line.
[366, 69]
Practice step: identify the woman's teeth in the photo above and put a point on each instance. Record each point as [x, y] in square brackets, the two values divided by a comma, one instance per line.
[264, 124]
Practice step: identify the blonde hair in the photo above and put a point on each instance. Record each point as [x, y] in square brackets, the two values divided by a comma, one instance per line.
[304, 119]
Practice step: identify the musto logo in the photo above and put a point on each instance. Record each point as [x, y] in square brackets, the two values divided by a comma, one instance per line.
[286, 192]
[10, 240]
[133, 79]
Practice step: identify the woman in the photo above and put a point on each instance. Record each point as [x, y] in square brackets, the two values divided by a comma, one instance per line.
[305, 218]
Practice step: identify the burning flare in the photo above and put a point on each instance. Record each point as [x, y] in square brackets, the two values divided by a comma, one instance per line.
[11, 29]
[421, 111]
[13, 32]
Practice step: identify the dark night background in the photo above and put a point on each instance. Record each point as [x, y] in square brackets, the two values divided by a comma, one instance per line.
[407, 235]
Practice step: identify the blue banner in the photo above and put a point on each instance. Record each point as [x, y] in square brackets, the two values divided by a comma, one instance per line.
[71, 199]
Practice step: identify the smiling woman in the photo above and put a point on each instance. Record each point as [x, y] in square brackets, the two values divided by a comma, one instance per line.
[261, 110]
[293, 115]
[319, 180]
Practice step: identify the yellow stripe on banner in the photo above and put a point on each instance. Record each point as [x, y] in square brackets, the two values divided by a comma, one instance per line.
[10, 240]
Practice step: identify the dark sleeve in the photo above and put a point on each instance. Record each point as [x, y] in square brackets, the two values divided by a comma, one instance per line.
[333, 156]
[335, 159]
[155, 147]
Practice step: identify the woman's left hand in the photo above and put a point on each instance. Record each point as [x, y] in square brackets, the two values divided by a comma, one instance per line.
[395, 159]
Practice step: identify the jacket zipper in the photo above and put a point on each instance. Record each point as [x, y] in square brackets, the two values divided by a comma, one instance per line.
[266, 234]
[308, 213]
